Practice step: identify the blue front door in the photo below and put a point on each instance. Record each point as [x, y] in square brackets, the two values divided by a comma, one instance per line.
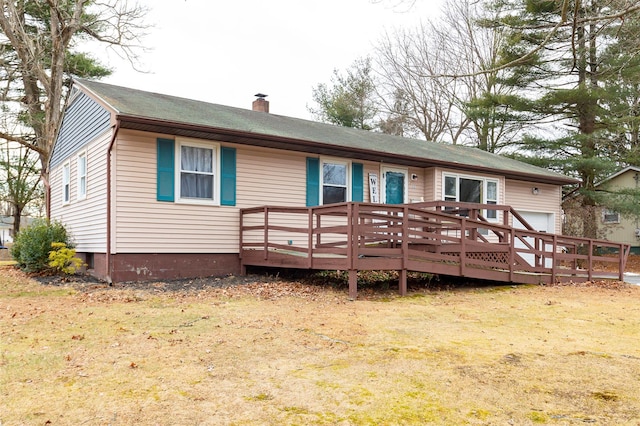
[394, 187]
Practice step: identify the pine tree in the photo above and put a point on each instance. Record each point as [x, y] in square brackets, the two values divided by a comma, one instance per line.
[563, 57]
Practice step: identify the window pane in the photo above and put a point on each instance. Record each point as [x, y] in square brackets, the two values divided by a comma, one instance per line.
[470, 190]
[492, 191]
[334, 174]
[333, 194]
[82, 165]
[66, 174]
[492, 214]
[450, 188]
[196, 159]
[196, 186]
[611, 216]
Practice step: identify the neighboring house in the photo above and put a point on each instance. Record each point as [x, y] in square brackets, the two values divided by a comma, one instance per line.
[6, 227]
[616, 227]
[151, 185]
[6, 230]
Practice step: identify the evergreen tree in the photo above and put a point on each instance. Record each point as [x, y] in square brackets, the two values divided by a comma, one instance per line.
[39, 52]
[564, 59]
[349, 100]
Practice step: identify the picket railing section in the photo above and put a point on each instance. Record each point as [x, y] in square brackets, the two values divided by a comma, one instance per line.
[435, 237]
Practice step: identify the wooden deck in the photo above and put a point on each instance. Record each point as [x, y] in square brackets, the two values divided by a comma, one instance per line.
[443, 238]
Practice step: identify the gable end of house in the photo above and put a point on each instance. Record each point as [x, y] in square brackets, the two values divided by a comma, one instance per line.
[83, 121]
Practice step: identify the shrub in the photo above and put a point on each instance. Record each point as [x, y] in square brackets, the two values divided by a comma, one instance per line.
[32, 245]
[62, 259]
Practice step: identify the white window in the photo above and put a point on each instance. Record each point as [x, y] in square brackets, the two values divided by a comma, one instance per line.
[491, 197]
[197, 164]
[66, 186]
[335, 178]
[471, 189]
[610, 216]
[82, 175]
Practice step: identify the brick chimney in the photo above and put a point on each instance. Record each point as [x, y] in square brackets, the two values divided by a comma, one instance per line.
[260, 104]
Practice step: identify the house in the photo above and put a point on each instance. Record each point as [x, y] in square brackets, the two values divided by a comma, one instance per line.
[613, 225]
[151, 186]
[6, 230]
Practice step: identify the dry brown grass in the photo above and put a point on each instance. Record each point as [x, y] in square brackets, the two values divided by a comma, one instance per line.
[286, 353]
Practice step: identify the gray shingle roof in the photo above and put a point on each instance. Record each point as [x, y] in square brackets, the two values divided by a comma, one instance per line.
[129, 102]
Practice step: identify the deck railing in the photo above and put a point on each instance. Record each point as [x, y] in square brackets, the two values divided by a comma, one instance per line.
[437, 237]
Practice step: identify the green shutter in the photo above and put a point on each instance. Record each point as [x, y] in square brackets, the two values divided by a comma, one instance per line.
[227, 176]
[357, 182]
[165, 173]
[313, 181]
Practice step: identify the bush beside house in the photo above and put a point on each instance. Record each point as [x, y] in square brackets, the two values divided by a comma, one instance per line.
[33, 244]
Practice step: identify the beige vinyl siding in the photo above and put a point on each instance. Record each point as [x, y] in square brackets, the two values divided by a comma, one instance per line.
[625, 231]
[142, 224]
[416, 187]
[265, 176]
[518, 194]
[270, 177]
[86, 218]
[430, 193]
[622, 232]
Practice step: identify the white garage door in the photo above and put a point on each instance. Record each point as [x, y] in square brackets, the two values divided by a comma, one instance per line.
[542, 222]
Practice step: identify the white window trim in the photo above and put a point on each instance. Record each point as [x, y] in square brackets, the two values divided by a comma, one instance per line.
[66, 182]
[611, 212]
[383, 182]
[484, 181]
[216, 172]
[79, 194]
[333, 160]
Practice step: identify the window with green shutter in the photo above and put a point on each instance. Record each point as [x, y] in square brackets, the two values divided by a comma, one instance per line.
[333, 181]
[187, 171]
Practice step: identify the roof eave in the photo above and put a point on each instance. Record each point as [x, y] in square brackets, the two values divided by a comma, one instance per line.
[300, 145]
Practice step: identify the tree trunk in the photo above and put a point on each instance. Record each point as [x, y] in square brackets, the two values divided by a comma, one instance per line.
[17, 215]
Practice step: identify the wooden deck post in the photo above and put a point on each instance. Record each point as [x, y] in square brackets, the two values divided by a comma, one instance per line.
[243, 268]
[463, 249]
[266, 233]
[512, 253]
[310, 240]
[353, 284]
[554, 265]
[621, 263]
[590, 261]
[402, 284]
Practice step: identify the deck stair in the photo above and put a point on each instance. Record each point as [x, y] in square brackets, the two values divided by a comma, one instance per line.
[444, 238]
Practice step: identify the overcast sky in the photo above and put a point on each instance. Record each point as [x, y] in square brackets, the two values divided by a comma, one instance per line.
[227, 51]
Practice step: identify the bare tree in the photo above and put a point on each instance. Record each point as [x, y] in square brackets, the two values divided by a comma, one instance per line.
[20, 184]
[445, 71]
[403, 58]
[38, 41]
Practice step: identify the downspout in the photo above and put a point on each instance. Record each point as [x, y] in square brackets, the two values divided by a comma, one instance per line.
[108, 248]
